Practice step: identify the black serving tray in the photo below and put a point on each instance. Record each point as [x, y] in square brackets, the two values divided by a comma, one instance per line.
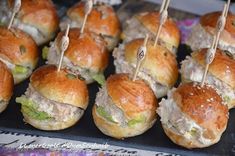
[85, 130]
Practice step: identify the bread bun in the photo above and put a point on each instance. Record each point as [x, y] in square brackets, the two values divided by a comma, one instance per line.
[59, 87]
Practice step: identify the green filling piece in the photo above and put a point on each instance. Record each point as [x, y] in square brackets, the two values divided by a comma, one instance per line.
[193, 132]
[22, 49]
[20, 70]
[71, 76]
[226, 98]
[29, 108]
[138, 120]
[99, 78]
[45, 51]
[101, 111]
[233, 23]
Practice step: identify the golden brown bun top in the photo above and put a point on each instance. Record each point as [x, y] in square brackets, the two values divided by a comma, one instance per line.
[6, 83]
[159, 61]
[101, 20]
[18, 47]
[86, 50]
[59, 87]
[222, 67]
[38, 13]
[133, 97]
[204, 106]
[169, 30]
[210, 20]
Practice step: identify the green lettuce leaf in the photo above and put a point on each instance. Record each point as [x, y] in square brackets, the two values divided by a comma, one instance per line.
[29, 108]
[101, 111]
[20, 70]
[45, 51]
[226, 99]
[99, 78]
[138, 120]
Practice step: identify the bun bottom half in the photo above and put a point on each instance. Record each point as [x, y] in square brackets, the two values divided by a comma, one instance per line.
[116, 131]
[51, 125]
[184, 142]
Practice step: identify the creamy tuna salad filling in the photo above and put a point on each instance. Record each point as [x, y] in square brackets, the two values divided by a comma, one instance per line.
[49, 109]
[5, 16]
[123, 66]
[192, 71]
[53, 57]
[103, 100]
[19, 72]
[135, 29]
[200, 38]
[174, 119]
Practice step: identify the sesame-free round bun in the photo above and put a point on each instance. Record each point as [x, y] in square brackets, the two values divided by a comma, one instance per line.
[18, 49]
[139, 97]
[204, 107]
[101, 20]
[59, 87]
[37, 18]
[219, 66]
[118, 131]
[149, 22]
[134, 99]
[51, 125]
[209, 21]
[85, 50]
[159, 62]
[6, 86]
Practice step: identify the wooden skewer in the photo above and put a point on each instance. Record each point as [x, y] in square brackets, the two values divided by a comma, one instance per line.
[163, 18]
[16, 8]
[88, 8]
[64, 46]
[141, 53]
[211, 52]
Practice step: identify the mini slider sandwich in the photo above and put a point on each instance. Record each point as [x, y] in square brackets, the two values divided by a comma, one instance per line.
[159, 69]
[54, 100]
[148, 23]
[19, 52]
[124, 108]
[102, 20]
[204, 31]
[86, 55]
[221, 73]
[38, 18]
[6, 86]
[193, 116]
